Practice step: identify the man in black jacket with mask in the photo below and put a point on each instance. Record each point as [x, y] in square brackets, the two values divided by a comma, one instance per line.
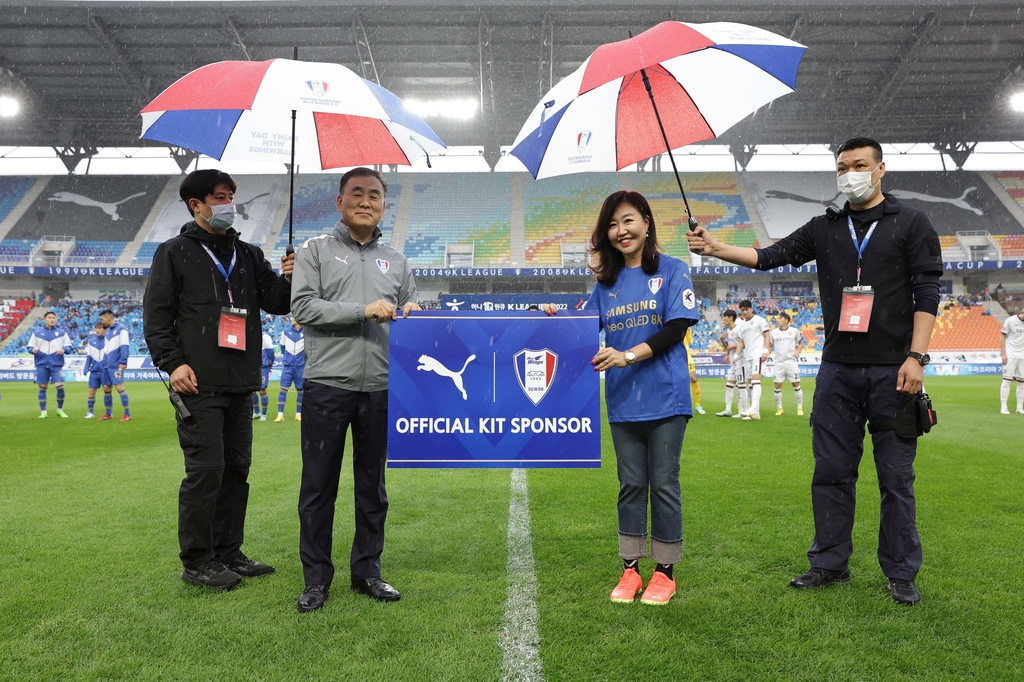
[879, 264]
[202, 325]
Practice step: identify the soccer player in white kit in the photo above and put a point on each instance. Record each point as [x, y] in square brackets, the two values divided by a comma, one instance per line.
[734, 379]
[1012, 347]
[753, 350]
[787, 342]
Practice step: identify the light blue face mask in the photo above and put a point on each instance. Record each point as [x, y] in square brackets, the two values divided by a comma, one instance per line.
[223, 216]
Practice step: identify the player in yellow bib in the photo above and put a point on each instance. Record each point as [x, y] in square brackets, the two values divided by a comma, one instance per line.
[687, 340]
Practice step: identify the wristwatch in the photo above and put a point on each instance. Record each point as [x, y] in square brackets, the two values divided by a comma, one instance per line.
[630, 358]
[924, 358]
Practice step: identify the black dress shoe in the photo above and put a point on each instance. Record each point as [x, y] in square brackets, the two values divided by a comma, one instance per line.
[246, 567]
[904, 592]
[312, 598]
[376, 588]
[819, 577]
[212, 574]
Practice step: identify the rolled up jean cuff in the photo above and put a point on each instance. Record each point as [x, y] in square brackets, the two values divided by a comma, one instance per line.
[632, 546]
[666, 552]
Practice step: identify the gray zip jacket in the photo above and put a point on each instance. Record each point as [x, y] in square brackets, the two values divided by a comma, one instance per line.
[334, 280]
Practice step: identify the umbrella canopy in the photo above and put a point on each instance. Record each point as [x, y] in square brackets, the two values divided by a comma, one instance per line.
[704, 78]
[243, 111]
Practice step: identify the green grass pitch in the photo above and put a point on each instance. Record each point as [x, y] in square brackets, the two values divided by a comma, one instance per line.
[90, 588]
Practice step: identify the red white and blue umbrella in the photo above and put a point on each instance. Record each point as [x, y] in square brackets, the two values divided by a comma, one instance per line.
[698, 79]
[243, 111]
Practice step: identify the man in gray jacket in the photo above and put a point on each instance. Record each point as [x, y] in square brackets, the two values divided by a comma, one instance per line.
[346, 288]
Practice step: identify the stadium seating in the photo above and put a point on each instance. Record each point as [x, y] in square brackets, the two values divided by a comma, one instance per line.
[104, 213]
[714, 200]
[464, 208]
[960, 327]
[12, 312]
[1011, 245]
[16, 251]
[562, 209]
[316, 212]
[94, 253]
[145, 253]
[90, 207]
[79, 317]
[1013, 183]
[12, 189]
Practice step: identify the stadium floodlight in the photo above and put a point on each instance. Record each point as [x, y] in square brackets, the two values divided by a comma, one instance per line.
[1017, 102]
[9, 107]
[461, 109]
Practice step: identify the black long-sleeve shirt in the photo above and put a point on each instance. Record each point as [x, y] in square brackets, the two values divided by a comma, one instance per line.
[902, 259]
[183, 301]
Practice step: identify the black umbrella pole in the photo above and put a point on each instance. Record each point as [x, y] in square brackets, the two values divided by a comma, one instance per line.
[291, 193]
[290, 249]
[650, 93]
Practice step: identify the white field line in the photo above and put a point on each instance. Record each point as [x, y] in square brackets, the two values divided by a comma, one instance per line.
[519, 638]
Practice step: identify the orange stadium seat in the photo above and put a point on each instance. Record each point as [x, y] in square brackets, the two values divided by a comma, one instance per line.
[965, 328]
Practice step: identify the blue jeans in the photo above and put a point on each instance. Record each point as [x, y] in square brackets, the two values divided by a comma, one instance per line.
[647, 455]
[845, 397]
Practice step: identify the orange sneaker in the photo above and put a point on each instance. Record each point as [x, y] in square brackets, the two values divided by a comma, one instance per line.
[629, 585]
[659, 590]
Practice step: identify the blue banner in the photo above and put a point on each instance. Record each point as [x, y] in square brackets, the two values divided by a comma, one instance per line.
[509, 302]
[76, 271]
[488, 390]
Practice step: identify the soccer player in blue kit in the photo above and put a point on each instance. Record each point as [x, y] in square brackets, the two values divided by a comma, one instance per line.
[95, 351]
[293, 361]
[646, 303]
[266, 364]
[115, 360]
[49, 346]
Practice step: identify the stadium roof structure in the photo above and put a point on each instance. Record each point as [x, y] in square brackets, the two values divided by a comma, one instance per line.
[899, 71]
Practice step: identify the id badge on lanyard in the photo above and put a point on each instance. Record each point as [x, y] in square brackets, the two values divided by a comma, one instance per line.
[855, 314]
[231, 331]
[231, 328]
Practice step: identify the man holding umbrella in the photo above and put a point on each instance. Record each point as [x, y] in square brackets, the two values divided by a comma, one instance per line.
[879, 265]
[202, 325]
[349, 286]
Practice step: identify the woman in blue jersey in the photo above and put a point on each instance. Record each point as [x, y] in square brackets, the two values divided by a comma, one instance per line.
[646, 303]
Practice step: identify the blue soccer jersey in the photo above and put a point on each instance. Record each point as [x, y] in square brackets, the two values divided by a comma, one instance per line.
[94, 353]
[116, 348]
[47, 341]
[632, 310]
[293, 348]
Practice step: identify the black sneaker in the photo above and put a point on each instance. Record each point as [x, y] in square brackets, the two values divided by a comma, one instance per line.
[904, 592]
[212, 574]
[246, 567]
[819, 577]
[312, 598]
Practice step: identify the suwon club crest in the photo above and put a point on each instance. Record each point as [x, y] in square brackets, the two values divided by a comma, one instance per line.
[383, 265]
[318, 88]
[583, 139]
[654, 284]
[535, 370]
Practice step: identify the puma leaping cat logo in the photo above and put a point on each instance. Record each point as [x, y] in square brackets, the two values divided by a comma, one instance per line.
[110, 209]
[959, 202]
[431, 365]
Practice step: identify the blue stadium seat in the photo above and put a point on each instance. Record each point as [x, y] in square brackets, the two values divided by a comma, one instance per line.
[465, 208]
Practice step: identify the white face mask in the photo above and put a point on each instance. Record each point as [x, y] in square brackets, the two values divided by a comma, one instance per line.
[223, 216]
[857, 186]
